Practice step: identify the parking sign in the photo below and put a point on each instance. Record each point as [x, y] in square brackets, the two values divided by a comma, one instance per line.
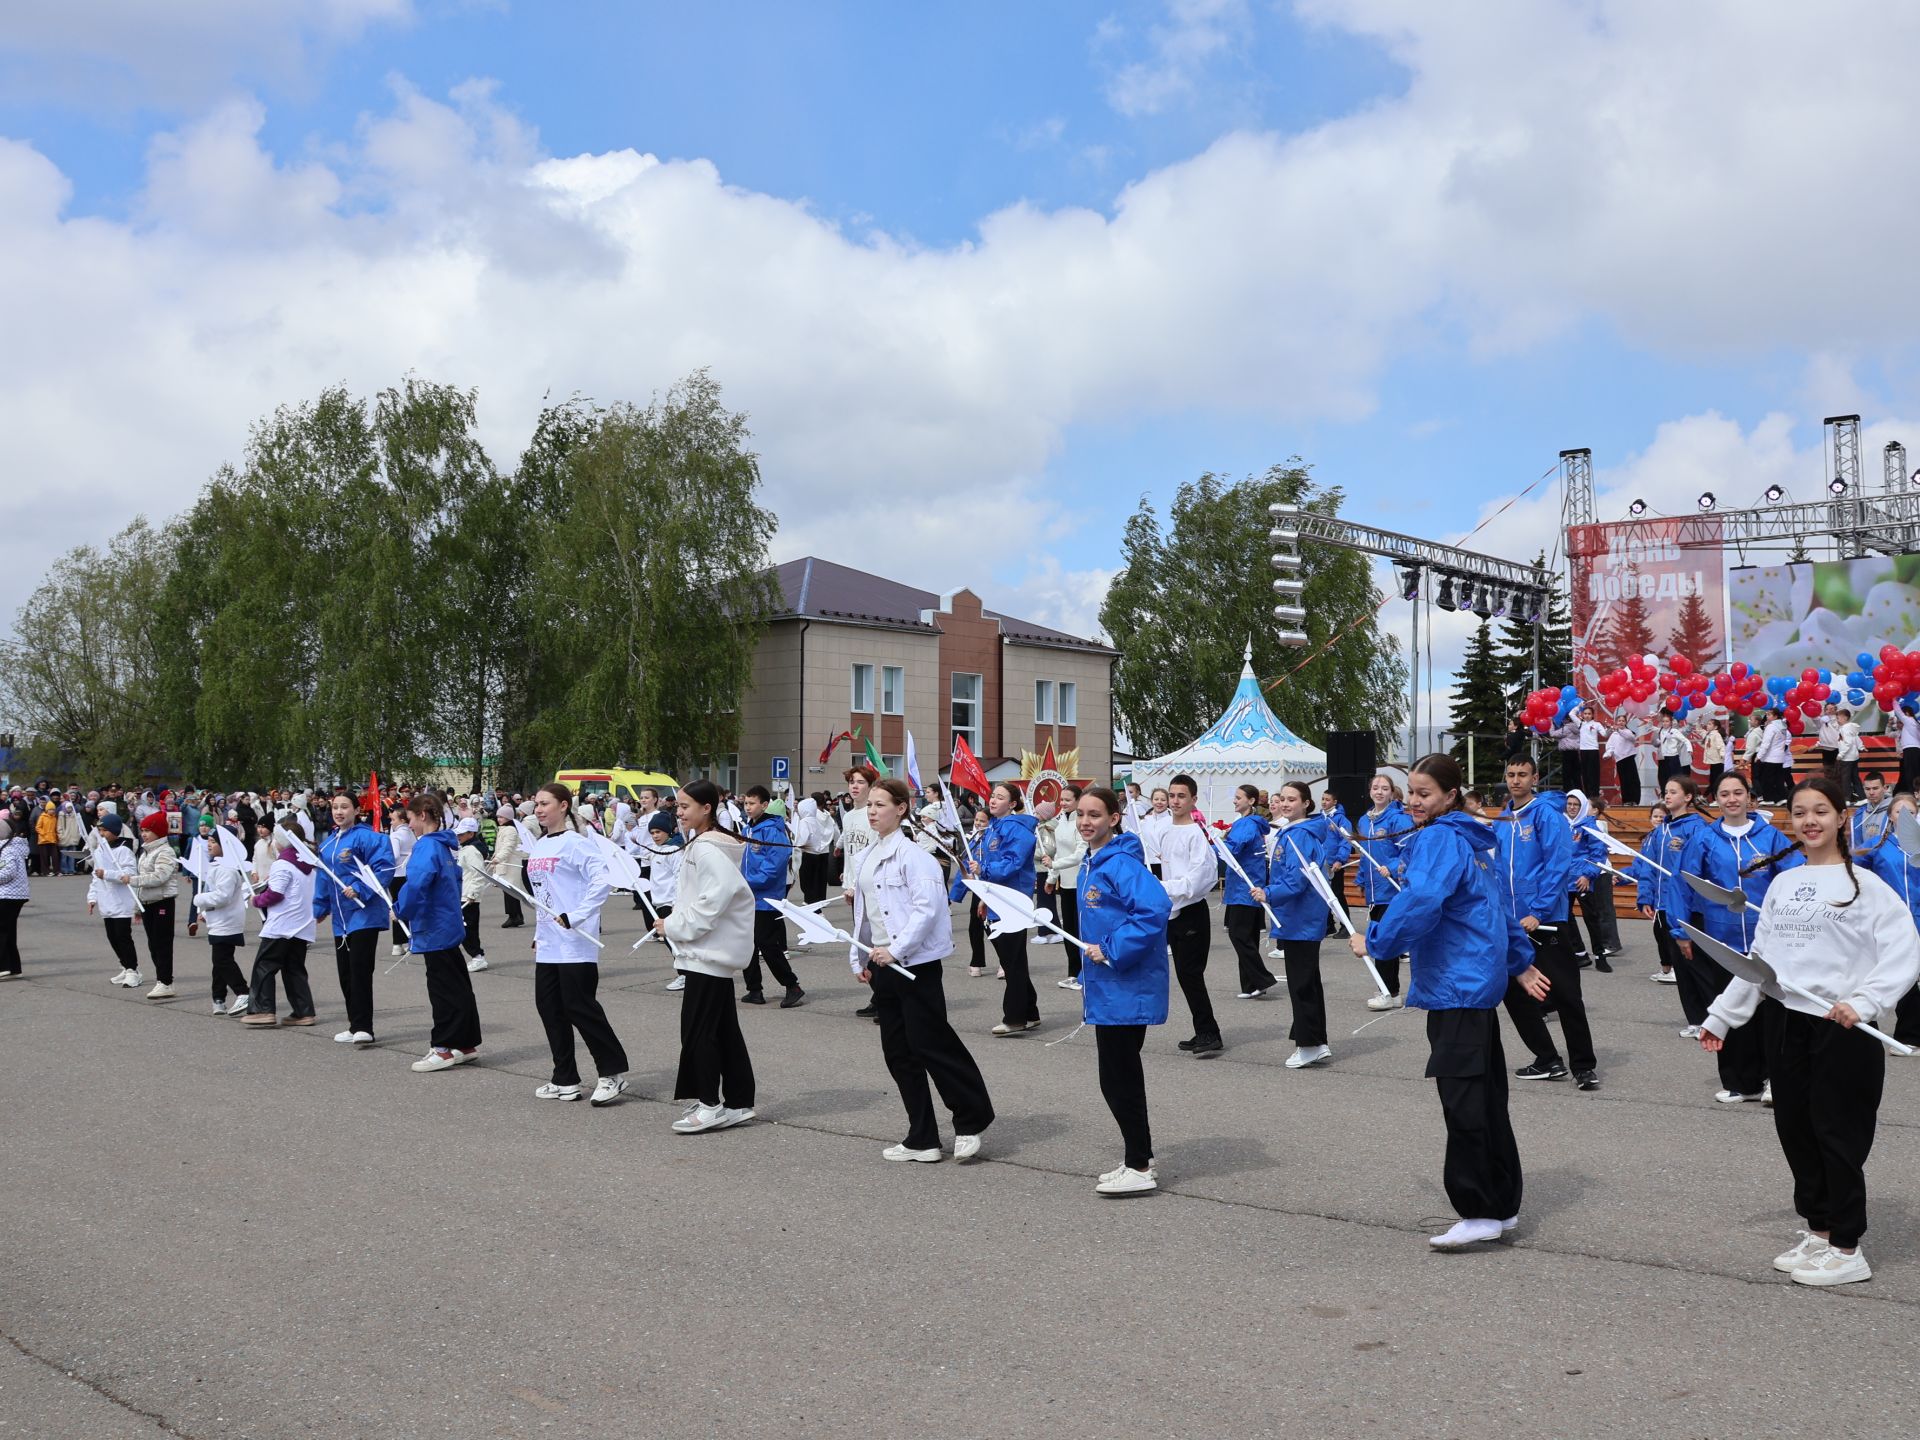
[780, 767]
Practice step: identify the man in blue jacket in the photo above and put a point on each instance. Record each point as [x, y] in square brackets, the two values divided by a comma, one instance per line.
[1534, 864]
[769, 848]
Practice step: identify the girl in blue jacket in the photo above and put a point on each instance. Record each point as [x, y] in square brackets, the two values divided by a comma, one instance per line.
[1004, 855]
[357, 912]
[1678, 901]
[429, 901]
[1383, 834]
[1891, 863]
[1300, 917]
[1246, 841]
[1123, 920]
[1463, 944]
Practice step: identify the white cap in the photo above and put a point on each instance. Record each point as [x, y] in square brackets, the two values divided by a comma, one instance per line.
[467, 826]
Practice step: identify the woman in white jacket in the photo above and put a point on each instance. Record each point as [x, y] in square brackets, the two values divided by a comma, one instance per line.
[900, 910]
[508, 853]
[711, 933]
[569, 879]
[1066, 853]
[110, 893]
[222, 903]
[816, 835]
[13, 895]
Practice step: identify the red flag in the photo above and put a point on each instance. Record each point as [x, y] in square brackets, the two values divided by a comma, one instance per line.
[967, 773]
[373, 799]
[833, 743]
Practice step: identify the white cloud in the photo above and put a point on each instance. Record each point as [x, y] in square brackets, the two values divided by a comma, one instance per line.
[1194, 37]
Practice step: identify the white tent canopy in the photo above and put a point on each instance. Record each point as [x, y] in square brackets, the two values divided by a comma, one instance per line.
[1247, 745]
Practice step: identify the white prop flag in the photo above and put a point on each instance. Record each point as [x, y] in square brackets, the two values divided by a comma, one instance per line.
[623, 871]
[1317, 878]
[950, 820]
[821, 931]
[1014, 912]
[100, 853]
[512, 889]
[233, 850]
[198, 863]
[525, 832]
[1617, 848]
[1756, 970]
[1360, 848]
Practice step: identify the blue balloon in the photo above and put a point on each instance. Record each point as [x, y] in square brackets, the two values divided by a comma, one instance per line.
[1567, 692]
[1865, 660]
[1856, 697]
[1826, 677]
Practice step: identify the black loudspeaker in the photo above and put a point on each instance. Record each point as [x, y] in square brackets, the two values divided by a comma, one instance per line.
[1352, 757]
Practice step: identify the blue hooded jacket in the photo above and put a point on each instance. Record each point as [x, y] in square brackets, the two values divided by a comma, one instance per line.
[336, 851]
[1005, 853]
[1535, 863]
[1714, 855]
[1123, 910]
[429, 900]
[765, 866]
[1297, 908]
[1452, 919]
[1590, 853]
[1890, 863]
[1383, 837]
[1247, 840]
[1677, 899]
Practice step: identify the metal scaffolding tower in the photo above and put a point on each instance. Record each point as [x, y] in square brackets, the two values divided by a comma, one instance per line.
[1576, 488]
[1843, 451]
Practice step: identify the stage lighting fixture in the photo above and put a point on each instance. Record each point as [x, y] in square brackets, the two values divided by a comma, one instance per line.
[1444, 597]
[1483, 602]
[1775, 494]
[1501, 600]
[1836, 486]
[1536, 605]
[1288, 587]
[1638, 507]
[1705, 502]
[1409, 581]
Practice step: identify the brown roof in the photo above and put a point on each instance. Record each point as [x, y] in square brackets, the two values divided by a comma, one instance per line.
[821, 590]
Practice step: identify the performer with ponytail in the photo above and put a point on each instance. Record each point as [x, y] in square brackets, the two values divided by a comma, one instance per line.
[1246, 841]
[1300, 917]
[356, 913]
[1678, 902]
[430, 903]
[899, 909]
[1889, 860]
[1383, 832]
[1004, 855]
[1836, 930]
[569, 879]
[1464, 948]
[711, 932]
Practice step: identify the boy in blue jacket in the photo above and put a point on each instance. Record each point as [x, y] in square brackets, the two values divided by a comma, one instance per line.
[769, 847]
[1534, 865]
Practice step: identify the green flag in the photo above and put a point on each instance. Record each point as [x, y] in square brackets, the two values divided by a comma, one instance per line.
[873, 759]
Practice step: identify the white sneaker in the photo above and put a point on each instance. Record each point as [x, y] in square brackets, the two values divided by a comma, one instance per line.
[435, 1060]
[396, 949]
[1384, 1002]
[345, 1037]
[1664, 977]
[465, 1057]
[1689, 1032]
[965, 1147]
[362, 1037]
[161, 991]
[1834, 1267]
[239, 1005]
[1070, 984]
[679, 982]
[610, 1089]
[1766, 1094]
[976, 971]
[1249, 994]
[1309, 1055]
[1125, 1181]
[219, 1007]
[1809, 1248]
[129, 978]
[1153, 1169]
[701, 1117]
[1509, 1225]
[737, 1117]
[477, 963]
[1469, 1232]
[550, 1091]
[1732, 1097]
[901, 1152]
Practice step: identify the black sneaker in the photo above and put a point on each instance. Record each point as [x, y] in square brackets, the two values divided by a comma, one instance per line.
[867, 1011]
[1537, 1071]
[1189, 1044]
[753, 997]
[1210, 1045]
[1600, 964]
[1586, 1079]
[795, 996]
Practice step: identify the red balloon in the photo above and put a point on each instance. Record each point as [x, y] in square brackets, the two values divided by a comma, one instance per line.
[1794, 727]
[1673, 703]
[1740, 670]
[1680, 664]
[1823, 692]
[1810, 676]
[1889, 652]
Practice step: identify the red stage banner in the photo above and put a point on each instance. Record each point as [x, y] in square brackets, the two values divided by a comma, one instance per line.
[1636, 590]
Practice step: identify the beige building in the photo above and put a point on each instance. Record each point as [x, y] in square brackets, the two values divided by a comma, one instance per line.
[849, 649]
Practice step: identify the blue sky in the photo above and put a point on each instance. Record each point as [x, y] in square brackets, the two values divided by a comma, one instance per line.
[1003, 263]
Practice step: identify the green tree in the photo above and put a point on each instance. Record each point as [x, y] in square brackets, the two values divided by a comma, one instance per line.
[654, 586]
[1696, 634]
[1189, 596]
[79, 670]
[1479, 708]
[1516, 642]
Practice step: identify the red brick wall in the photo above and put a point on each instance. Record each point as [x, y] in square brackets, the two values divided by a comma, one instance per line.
[969, 642]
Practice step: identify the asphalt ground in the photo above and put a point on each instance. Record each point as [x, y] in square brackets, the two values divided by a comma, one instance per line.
[211, 1231]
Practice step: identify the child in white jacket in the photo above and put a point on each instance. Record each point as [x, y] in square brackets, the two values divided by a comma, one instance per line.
[222, 903]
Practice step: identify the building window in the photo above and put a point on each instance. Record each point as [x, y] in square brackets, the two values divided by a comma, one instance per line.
[1069, 703]
[896, 765]
[893, 690]
[965, 716]
[1043, 702]
[862, 690]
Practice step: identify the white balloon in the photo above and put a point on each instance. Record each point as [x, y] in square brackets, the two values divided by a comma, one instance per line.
[1653, 660]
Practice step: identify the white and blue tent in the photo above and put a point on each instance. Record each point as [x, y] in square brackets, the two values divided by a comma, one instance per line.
[1247, 745]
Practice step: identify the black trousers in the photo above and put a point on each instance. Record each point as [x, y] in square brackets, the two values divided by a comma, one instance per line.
[1123, 1085]
[1596, 905]
[284, 959]
[1850, 780]
[456, 1014]
[470, 942]
[515, 915]
[1695, 976]
[770, 944]
[1569, 769]
[1715, 774]
[120, 941]
[1019, 1003]
[393, 893]
[1909, 769]
[814, 870]
[976, 935]
[1629, 772]
[1743, 1056]
[713, 1053]
[1246, 928]
[353, 958]
[1529, 1016]
[157, 921]
[49, 856]
[1189, 933]
[1590, 773]
[920, 1045]
[1669, 951]
[566, 995]
[226, 970]
[1906, 1015]
[1826, 1101]
[1467, 1066]
[1304, 989]
[10, 936]
[1388, 966]
[1066, 914]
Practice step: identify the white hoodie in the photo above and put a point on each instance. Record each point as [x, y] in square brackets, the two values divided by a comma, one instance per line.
[712, 922]
[569, 877]
[292, 917]
[1866, 953]
[112, 864]
[222, 901]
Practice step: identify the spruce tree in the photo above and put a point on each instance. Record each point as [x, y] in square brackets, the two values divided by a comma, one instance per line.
[1696, 635]
[1479, 709]
[1515, 655]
